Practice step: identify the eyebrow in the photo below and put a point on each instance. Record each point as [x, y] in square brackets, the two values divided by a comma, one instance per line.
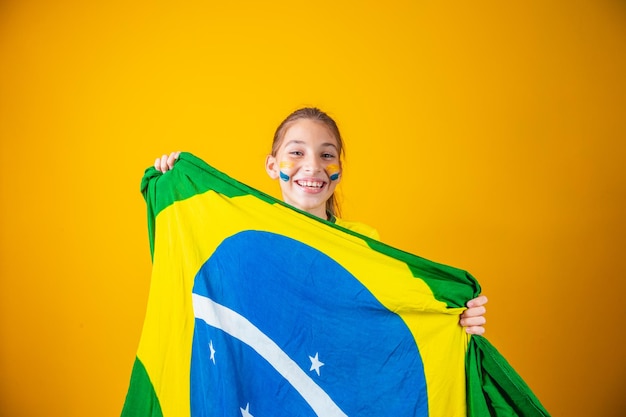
[301, 142]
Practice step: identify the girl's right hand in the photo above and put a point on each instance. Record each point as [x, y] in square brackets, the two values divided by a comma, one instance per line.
[165, 163]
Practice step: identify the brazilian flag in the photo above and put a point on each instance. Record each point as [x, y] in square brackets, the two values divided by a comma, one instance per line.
[259, 309]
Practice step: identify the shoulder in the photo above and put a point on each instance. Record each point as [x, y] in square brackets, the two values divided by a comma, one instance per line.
[360, 228]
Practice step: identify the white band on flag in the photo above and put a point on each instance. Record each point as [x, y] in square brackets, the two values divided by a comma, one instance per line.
[239, 327]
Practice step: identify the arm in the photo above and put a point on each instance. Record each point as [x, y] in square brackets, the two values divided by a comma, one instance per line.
[473, 319]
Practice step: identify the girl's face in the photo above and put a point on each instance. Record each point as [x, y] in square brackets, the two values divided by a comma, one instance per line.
[307, 166]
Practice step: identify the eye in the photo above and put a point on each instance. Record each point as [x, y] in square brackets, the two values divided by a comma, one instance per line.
[327, 155]
[296, 153]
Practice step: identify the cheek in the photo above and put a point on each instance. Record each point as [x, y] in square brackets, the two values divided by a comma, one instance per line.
[334, 171]
[286, 169]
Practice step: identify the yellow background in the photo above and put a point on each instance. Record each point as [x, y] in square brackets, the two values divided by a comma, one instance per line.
[485, 135]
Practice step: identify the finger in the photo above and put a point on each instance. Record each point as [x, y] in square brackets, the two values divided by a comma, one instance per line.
[164, 166]
[474, 312]
[172, 159]
[477, 302]
[158, 163]
[161, 163]
[479, 330]
[472, 321]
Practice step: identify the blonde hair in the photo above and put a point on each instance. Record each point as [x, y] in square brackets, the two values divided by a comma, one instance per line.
[315, 114]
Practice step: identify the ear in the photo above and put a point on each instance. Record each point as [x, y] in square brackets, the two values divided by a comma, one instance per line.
[271, 167]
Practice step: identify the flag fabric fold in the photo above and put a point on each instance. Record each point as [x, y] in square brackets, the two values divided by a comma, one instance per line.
[259, 309]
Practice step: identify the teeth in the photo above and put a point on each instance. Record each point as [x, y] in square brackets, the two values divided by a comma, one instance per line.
[315, 184]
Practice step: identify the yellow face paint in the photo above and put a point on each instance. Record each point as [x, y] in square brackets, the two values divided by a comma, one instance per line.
[333, 171]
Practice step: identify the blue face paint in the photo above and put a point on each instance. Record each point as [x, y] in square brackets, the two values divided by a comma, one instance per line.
[283, 176]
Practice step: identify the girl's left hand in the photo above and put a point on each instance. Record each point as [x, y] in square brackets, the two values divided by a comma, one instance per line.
[473, 319]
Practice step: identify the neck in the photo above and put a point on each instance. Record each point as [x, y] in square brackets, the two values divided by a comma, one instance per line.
[319, 212]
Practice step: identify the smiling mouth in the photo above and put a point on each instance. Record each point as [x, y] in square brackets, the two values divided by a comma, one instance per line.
[311, 184]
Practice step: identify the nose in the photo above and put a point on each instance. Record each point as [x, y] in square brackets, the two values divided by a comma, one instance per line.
[313, 164]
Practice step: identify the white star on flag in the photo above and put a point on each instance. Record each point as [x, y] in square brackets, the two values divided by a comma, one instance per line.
[212, 352]
[245, 412]
[316, 364]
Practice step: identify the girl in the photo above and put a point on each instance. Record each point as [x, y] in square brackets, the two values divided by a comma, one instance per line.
[306, 157]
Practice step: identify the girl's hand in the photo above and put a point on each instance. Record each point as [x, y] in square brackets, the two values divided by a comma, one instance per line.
[165, 163]
[473, 319]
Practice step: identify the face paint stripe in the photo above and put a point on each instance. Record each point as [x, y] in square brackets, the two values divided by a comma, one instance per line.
[285, 164]
[333, 171]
